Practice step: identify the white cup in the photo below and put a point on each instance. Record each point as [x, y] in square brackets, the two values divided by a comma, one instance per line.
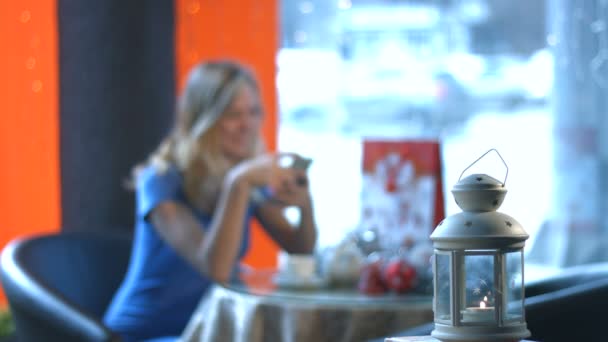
[296, 265]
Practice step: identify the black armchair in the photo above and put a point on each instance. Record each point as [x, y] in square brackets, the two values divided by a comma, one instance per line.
[59, 286]
[567, 307]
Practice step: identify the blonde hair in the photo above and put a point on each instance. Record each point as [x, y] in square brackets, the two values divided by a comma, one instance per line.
[193, 145]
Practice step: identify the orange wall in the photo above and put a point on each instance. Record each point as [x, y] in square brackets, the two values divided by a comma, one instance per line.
[244, 30]
[29, 129]
[29, 146]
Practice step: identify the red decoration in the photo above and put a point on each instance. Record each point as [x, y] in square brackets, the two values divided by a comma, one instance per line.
[399, 275]
[371, 281]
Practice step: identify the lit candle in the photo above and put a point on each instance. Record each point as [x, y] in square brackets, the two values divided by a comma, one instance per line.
[482, 313]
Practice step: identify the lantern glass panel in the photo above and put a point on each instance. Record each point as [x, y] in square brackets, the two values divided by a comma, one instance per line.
[514, 287]
[478, 296]
[442, 287]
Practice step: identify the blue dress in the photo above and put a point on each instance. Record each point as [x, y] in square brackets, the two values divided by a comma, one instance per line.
[161, 289]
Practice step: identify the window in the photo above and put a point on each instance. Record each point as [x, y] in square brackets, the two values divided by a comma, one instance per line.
[474, 74]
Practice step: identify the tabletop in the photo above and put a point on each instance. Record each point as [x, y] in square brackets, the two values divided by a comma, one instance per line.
[253, 308]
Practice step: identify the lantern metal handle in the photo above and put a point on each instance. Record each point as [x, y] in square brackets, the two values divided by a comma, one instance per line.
[483, 155]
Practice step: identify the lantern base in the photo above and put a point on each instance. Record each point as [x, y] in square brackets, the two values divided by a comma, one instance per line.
[450, 333]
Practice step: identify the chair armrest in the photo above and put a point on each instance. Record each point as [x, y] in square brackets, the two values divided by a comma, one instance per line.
[58, 318]
[575, 313]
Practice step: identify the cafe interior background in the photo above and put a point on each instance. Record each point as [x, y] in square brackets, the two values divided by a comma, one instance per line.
[88, 89]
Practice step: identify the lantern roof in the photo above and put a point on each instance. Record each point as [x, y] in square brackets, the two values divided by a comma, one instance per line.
[479, 226]
[478, 182]
[479, 230]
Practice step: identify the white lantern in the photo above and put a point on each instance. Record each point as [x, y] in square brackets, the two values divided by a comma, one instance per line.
[478, 267]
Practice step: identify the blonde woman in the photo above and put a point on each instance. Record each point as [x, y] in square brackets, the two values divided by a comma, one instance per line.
[195, 197]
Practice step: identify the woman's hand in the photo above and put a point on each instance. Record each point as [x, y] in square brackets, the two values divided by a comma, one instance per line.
[256, 172]
[294, 190]
[289, 186]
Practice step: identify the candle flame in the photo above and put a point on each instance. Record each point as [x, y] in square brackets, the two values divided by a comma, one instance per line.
[482, 304]
[485, 298]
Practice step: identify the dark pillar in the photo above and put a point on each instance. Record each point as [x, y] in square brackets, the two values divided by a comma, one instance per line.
[116, 101]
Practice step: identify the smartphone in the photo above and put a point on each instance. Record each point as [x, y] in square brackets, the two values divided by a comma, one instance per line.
[301, 163]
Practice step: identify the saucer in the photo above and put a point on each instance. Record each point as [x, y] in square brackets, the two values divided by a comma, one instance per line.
[292, 281]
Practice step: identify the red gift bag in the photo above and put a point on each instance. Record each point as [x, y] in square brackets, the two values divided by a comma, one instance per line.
[402, 194]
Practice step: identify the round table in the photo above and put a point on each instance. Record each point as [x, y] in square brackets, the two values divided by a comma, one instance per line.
[254, 309]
